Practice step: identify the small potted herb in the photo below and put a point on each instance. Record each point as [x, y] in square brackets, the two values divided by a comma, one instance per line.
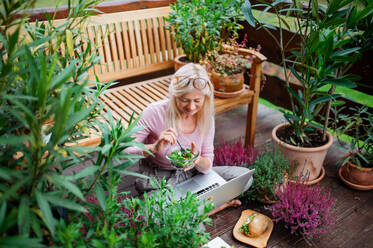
[271, 169]
[305, 210]
[227, 71]
[357, 164]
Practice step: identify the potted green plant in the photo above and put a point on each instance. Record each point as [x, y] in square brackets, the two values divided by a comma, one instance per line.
[227, 72]
[357, 164]
[271, 169]
[202, 26]
[320, 60]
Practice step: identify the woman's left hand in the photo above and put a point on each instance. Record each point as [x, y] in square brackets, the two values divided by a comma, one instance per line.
[195, 161]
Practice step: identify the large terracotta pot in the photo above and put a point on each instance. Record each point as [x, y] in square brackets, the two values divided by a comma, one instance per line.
[179, 61]
[360, 176]
[227, 84]
[306, 162]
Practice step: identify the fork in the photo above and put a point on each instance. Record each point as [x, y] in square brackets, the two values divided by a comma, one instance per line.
[181, 148]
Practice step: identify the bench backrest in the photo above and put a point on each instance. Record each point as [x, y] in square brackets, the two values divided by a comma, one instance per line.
[132, 43]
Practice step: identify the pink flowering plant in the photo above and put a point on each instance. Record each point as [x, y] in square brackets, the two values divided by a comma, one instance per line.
[305, 210]
[234, 154]
[230, 63]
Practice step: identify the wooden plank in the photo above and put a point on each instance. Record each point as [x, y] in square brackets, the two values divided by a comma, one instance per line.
[135, 71]
[106, 46]
[117, 106]
[113, 47]
[128, 106]
[165, 83]
[156, 40]
[109, 103]
[142, 96]
[140, 52]
[118, 32]
[162, 38]
[134, 57]
[174, 47]
[100, 49]
[127, 47]
[151, 40]
[151, 89]
[107, 7]
[168, 43]
[160, 87]
[133, 99]
[149, 93]
[144, 41]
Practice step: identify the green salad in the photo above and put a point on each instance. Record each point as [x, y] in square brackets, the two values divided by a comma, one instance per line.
[181, 159]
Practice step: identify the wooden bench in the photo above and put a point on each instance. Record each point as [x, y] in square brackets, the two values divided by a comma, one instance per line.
[137, 43]
[134, 43]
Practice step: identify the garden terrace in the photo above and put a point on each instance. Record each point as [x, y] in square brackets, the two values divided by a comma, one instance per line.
[353, 208]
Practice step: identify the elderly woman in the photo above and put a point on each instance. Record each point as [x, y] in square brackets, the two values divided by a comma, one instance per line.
[187, 117]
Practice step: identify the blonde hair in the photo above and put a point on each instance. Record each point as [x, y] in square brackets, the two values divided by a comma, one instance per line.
[186, 79]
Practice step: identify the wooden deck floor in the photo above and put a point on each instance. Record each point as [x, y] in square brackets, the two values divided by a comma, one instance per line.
[354, 208]
[354, 226]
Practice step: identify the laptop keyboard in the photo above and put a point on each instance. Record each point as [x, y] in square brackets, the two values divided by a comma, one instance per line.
[204, 190]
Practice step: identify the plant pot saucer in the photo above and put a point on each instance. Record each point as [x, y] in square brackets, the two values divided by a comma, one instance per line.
[229, 94]
[260, 241]
[352, 185]
[314, 181]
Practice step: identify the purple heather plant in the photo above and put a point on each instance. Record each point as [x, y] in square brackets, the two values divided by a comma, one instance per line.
[234, 154]
[306, 210]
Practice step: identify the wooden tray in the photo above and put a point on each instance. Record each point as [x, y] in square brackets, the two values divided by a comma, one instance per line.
[260, 241]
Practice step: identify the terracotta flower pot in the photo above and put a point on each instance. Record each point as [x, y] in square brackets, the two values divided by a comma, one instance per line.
[227, 84]
[354, 174]
[180, 61]
[306, 162]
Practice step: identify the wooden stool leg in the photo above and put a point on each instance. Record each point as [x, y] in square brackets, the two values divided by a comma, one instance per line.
[256, 72]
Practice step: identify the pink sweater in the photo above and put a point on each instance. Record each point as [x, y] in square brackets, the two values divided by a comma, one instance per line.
[153, 119]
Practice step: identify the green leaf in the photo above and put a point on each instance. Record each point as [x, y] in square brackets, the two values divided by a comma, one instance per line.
[106, 148]
[319, 100]
[63, 202]
[78, 116]
[246, 10]
[63, 76]
[24, 220]
[345, 52]
[131, 173]
[63, 182]
[36, 225]
[20, 242]
[341, 82]
[2, 213]
[101, 197]
[13, 140]
[86, 172]
[46, 211]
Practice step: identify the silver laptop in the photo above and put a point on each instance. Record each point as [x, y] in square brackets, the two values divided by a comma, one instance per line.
[213, 187]
[229, 190]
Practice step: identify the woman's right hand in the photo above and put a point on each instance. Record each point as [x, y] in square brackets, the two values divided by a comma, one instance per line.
[166, 137]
